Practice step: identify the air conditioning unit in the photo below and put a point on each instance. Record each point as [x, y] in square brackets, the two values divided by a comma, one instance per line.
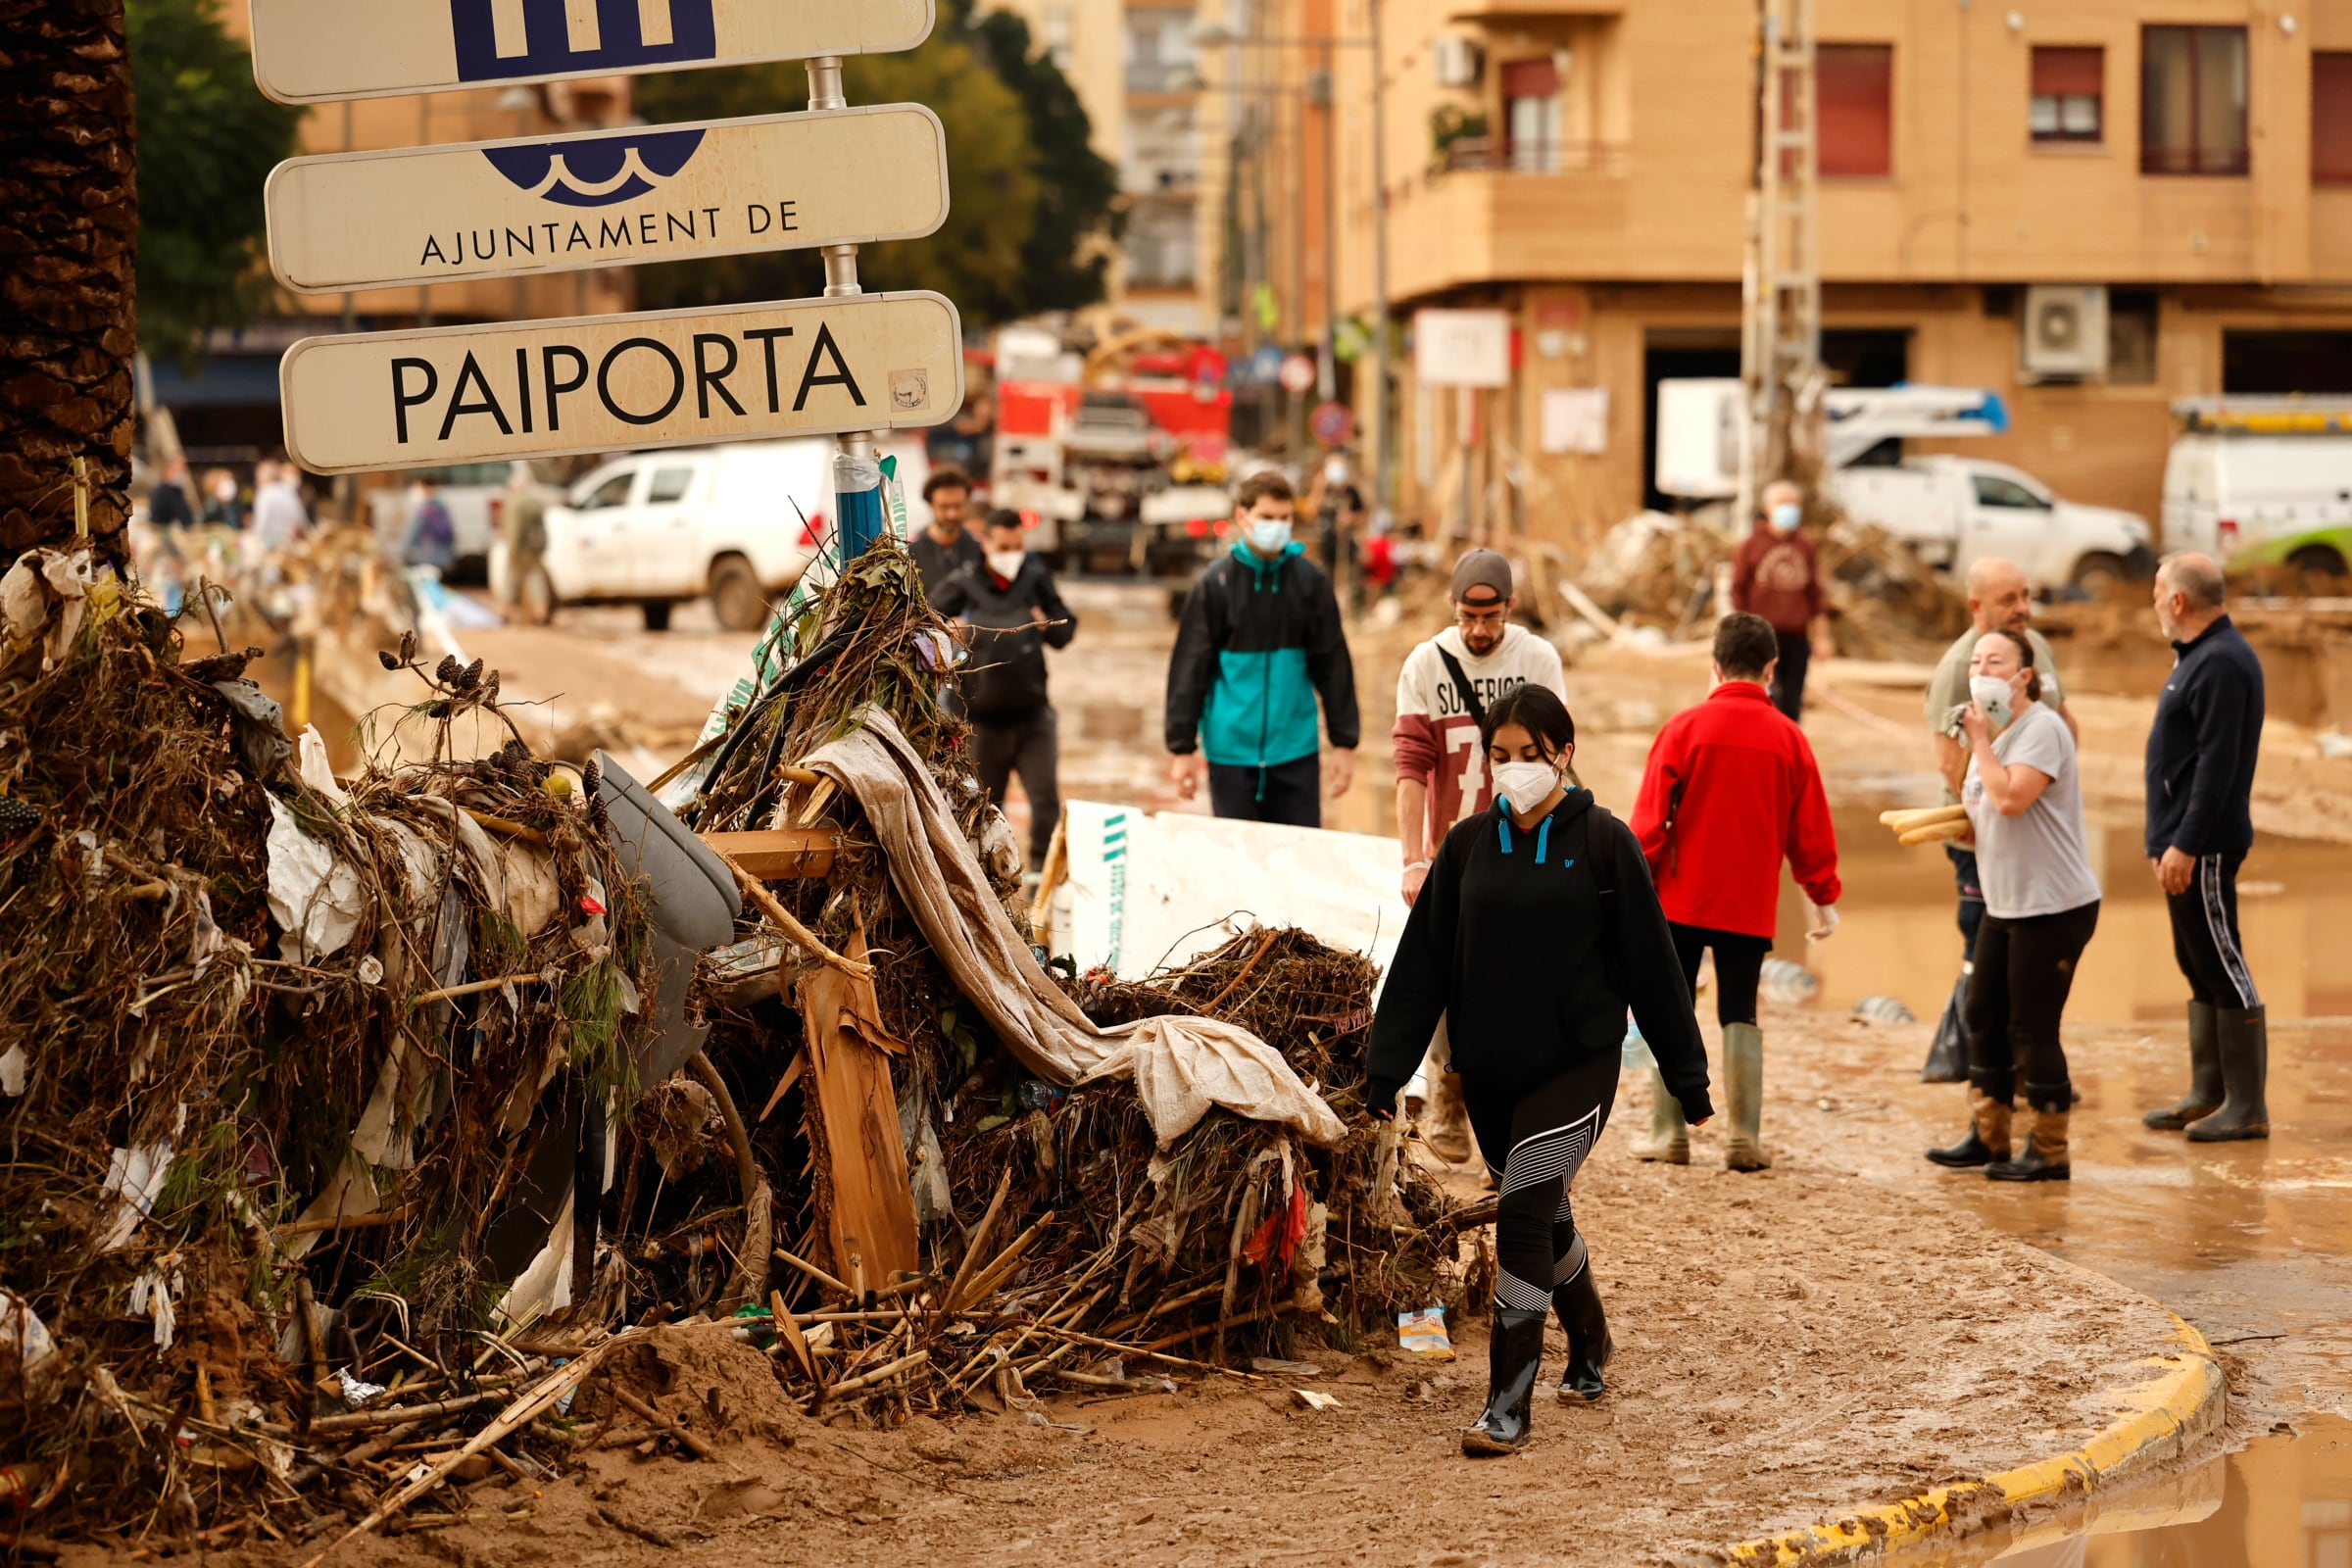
[2065, 330]
[1459, 60]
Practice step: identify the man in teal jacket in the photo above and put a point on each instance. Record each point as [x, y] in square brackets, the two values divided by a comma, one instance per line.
[1259, 643]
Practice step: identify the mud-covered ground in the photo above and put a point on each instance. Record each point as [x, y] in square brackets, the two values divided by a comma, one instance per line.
[1790, 1344]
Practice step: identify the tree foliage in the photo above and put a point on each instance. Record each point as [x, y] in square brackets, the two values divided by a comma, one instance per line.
[1025, 187]
[206, 142]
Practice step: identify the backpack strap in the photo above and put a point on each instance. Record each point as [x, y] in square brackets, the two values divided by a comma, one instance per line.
[1462, 686]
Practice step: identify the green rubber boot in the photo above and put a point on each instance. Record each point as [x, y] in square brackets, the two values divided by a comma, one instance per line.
[1743, 1086]
[1669, 1136]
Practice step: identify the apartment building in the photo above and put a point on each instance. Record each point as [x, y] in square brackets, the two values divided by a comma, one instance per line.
[1136, 70]
[227, 410]
[2093, 207]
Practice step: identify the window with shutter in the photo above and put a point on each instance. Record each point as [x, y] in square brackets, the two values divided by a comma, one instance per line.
[2331, 119]
[2192, 101]
[1855, 83]
[2069, 94]
[1531, 114]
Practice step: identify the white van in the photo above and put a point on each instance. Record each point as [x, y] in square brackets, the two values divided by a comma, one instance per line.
[2262, 483]
[736, 523]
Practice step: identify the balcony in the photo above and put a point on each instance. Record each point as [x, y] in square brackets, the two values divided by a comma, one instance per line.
[1502, 154]
[1488, 210]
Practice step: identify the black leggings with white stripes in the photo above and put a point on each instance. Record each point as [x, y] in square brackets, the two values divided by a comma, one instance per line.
[1543, 1136]
[2205, 940]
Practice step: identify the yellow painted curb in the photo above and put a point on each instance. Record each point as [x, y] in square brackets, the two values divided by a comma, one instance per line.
[2180, 1403]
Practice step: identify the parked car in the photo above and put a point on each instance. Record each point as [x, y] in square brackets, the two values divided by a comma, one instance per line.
[1954, 511]
[738, 523]
[476, 494]
[2262, 482]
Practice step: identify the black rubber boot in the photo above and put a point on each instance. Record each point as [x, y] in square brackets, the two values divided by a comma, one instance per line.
[2246, 1049]
[2044, 1158]
[2205, 1087]
[1947, 1055]
[1586, 1325]
[1513, 1358]
[1987, 1136]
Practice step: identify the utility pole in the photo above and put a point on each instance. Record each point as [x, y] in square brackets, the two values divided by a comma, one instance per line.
[1781, 349]
[1384, 458]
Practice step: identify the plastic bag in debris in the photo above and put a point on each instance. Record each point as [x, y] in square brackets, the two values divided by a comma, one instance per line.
[28, 1355]
[315, 896]
[13, 1066]
[317, 771]
[44, 599]
[261, 728]
[1421, 1333]
[151, 1296]
[137, 1175]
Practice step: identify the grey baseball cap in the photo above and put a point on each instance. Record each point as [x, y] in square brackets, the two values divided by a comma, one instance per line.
[1483, 568]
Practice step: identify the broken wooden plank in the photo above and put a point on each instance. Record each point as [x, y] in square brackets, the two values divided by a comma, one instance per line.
[871, 1227]
[778, 854]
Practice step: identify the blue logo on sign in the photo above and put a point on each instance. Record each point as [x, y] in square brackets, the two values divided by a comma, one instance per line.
[499, 40]
[603, 172]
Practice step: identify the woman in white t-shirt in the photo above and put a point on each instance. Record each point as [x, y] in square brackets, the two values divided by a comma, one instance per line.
[2024, 794]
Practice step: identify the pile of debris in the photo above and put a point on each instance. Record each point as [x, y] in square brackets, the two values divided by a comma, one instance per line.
[363, 1130]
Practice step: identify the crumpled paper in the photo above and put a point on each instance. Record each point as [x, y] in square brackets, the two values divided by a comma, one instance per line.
[27, 1354]
[315, 896]
[44, 598]
[137, 1175]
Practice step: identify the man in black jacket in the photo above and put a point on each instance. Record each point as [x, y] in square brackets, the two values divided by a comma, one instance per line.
[1015, 612]
[946, 547]
[1259, 643]
[2201, 757]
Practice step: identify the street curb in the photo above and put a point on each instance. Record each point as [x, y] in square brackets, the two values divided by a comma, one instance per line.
[2184, 1400]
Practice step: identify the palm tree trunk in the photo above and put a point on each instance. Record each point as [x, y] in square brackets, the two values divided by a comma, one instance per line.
[69, 300]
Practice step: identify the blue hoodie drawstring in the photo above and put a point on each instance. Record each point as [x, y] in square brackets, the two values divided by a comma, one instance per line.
[1504, 823]
[1543, 839]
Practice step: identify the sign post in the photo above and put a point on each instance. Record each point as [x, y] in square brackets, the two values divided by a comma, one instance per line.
[318, 51]
[593, 384]
[508, 208]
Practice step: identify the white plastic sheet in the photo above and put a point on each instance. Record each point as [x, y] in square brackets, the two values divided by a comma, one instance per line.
[315, 896]
[1181, 1066]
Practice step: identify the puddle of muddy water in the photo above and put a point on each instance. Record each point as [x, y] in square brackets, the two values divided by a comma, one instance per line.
[2284, 1502]
[1900, 938]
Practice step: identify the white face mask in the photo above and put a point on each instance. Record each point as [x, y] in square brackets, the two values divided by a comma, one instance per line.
[1007, 563]
[1785, 517]
[1334, 473]
[1268, 537]
[1525, 784]
[1993, 694]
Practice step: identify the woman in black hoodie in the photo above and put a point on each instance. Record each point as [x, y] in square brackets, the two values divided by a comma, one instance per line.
[1537, 929]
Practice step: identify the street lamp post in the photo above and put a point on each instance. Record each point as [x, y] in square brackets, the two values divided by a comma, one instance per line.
[1213, 35]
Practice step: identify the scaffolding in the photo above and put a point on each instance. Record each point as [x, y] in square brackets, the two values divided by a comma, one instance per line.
[1780, 368]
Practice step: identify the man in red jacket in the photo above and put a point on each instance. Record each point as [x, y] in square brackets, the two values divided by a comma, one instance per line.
[1731, 791]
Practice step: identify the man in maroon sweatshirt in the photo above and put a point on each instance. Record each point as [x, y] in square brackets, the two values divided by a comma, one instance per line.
[1777, 574]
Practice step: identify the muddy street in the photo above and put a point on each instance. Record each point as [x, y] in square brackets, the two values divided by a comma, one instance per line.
[2248, 1242]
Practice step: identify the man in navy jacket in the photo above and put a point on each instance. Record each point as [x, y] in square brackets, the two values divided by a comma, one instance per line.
[2201, 757]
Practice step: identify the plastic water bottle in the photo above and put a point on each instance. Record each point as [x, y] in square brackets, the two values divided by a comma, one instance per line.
[1637, 1049]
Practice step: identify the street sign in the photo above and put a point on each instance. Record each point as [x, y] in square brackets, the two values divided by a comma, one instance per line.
[315, 51]
[1298, 375]
[598, 383]
[503, 209]
[1462, 348]
[1333, 423]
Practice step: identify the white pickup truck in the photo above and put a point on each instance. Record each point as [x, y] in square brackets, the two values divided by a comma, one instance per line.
[1951, 510]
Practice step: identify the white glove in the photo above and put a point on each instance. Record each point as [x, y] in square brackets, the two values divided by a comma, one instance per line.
[1825, 922]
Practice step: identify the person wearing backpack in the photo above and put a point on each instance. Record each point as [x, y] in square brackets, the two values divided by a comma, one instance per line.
[1441, 773]
[1730, 792]
[1260, 641]
[1536, 929]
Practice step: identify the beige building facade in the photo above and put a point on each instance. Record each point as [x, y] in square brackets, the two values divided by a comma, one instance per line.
[1137, 69]
[2181, 167]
